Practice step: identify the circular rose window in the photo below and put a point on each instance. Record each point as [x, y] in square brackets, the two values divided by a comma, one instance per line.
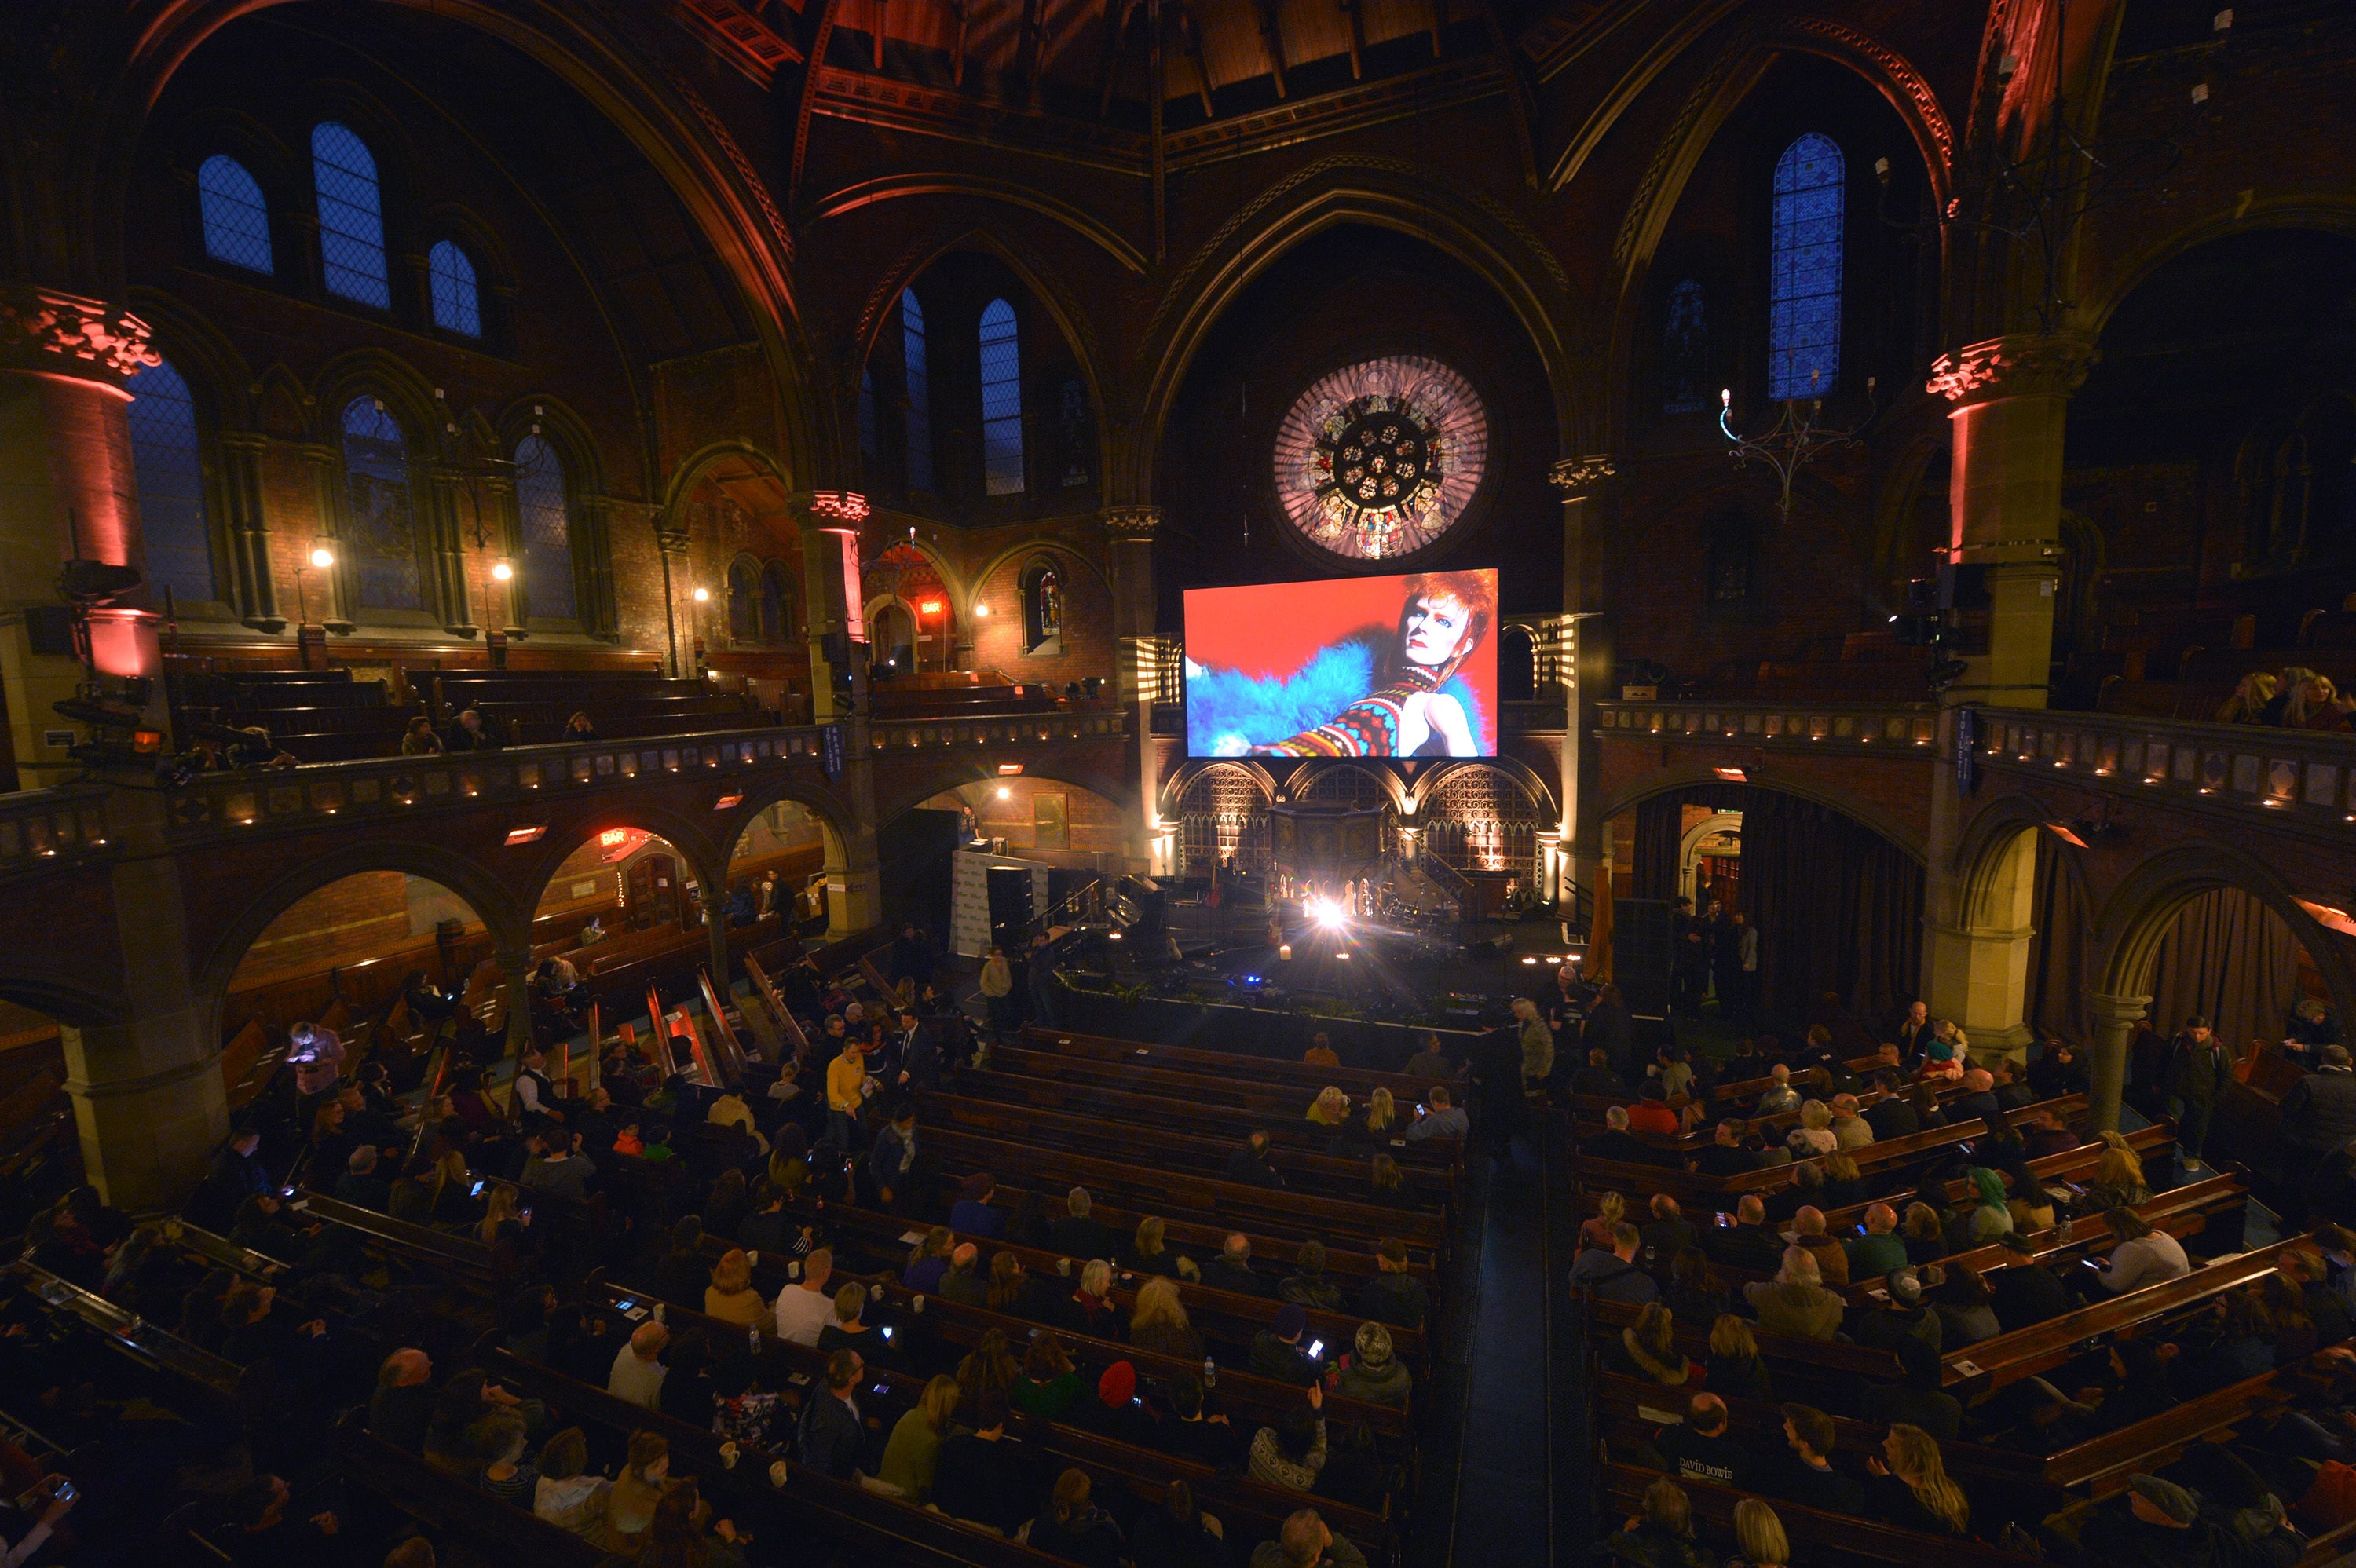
[1379, 459]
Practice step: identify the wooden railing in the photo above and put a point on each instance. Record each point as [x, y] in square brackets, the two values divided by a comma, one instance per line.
[2300, 776]
[1794, 725]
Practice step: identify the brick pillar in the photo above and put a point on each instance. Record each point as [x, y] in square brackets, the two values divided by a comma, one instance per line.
[66, 486]
[2011, 398]
[447, 522]
[147, 1095]
[515, 966]
[1130, 530]
[328, 597]
[1581, 481]
[830, 520]
[247, 531]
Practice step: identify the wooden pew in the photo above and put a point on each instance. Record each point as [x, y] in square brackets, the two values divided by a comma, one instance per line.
[1826, 1368]
[1816, 1537]
[1358, 1081]
[1254, 1209]
[2148, 1142]
[1348, 1180]
[153, 1347]
[1289, 1130]
[434, 1497]
[461, 1255]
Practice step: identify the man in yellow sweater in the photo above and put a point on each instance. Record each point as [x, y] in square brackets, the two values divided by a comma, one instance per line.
[846, 1079]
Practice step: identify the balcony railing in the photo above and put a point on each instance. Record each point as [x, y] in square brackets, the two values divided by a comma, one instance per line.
[305, 797]
[1787, 726]
[43, 830]
[1029, 727]
[2301, 775]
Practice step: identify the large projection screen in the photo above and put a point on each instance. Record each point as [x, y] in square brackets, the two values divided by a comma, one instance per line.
[1355, 666]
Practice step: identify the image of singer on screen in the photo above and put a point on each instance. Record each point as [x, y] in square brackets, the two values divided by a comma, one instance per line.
[1374, 692]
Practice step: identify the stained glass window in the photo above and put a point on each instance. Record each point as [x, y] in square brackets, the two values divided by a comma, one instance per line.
[171, 484]
[1379, 459]
[236, 218]
[1001, 400]
[920, 392]
[351, 216]
[544, 510]
[457, 305]
[1804, 329]
[380, 537]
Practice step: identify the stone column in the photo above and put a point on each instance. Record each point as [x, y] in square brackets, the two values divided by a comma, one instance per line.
[328, 597]
[515, 964]
[2011, 398]
[446, 521]
[147, 1095]
[1586, 664]
[679, 586]
[246, 530]
[593, 555]
[67, 489]
[1130, 531]
[830, 529]
[2114, 1020]
[509, 602]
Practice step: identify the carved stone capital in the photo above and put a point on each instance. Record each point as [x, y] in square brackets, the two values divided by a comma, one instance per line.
[1577, 477]
[2015, 366]
[829, 509]
[41, 329]
[1133, 524]
[670, 538]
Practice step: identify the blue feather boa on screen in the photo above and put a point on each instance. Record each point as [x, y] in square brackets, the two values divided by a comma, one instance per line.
[1228, 712]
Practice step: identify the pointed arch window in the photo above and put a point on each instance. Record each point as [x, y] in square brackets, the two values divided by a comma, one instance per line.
[1804, 332]
[776, 605]
[164, 456]
[381, 531]
[920, 392]
[236, 218]
[544, 509]
[351, 216]
[744, 603]
[458, 304]
[1001, 400]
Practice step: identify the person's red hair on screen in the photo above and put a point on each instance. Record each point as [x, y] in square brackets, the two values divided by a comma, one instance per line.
[1442, 618]
[1473, 594]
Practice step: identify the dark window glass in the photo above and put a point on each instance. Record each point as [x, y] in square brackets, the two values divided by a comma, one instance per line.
[381, 540]
[171, 484]
[236, 218]
[1001, 400]
[351, 217]
[544, 509]
[457, 306]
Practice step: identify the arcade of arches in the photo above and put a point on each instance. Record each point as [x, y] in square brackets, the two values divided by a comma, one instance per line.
[506, 493]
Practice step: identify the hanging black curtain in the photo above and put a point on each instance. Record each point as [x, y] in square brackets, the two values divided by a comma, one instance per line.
[2230, 957]
[1838, 907]
[1660, 827]
[2058, 954]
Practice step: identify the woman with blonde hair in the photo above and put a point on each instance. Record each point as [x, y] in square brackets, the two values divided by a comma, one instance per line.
[1758, 1537]
[2306, 700]
[1662, 1536]
[2118, 1177]
[1909, 1488]
[498, 1209]
[1382, 1113]
[1159, 1323]
[1610, 1210]
[1814, 1134]
[1146, 1253]
[730, 1296]
[2248, 703]
[631, 1500]
[917, 1439]
[1734, 1367]
[1330, 1109]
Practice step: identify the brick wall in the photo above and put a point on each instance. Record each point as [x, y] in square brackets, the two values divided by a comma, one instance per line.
[1095, 824]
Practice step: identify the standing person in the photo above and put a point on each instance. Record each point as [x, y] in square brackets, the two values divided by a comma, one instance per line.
[2319, 1116]
[1537, 1041]
[998, 990]
[1612, 1030]
[317, 1055]
[1689, 957]
[1043, 981]
[1746, 965]
[2198, 1067]
[1725, 963]
[1497, 1074]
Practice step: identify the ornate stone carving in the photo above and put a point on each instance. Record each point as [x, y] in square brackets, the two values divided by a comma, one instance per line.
[1580, 477]
[2017, 365]
[832, 508]
[1135, 524]
[41, 329]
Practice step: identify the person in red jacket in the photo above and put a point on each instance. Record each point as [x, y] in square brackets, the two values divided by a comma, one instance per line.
[1652, 1113]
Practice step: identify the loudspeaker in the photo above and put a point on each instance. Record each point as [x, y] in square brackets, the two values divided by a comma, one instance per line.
[1642, 949]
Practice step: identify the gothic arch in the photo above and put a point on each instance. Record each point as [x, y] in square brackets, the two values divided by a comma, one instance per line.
[1427, 786]
[689, 469]
[2323, 214]
[215, 371]
[1043, 282]
[1865, 813]
[1050, 546]
[654, 106]
[1383, 193]
[983, 188]
[1173, 788]
[493, 903]
[825, 810]
[564, 837]
[2141, 909]
[945, 776]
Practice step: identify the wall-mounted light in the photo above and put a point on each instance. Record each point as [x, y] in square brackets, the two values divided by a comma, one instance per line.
[981, 609]
[323, 557]
[2065, 835]
[1733, 776]
[502, 570]
[525, 835]
[1005, 793]
[728, 803]
[1006, 770]
[703, 596]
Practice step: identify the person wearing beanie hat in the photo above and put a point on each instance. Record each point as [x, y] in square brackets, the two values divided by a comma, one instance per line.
[1278, 1350]
[2162, 1526]
[1900, 1315]
[1374, 1374]
[1116, 1411]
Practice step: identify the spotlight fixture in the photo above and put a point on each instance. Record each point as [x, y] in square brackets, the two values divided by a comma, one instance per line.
[1005, 793]
[1733, 776]
[525, 835]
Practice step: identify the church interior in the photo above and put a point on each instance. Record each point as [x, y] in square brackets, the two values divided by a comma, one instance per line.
[1308, 784]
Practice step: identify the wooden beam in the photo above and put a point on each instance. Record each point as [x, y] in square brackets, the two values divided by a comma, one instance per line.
[1027, 53]
[1153, 87]
[1195, 50]
[802, 110]
[1116, 23]
[957, 51]
[1518, 100]
[1357, 37]
[1438, 25]
[1273, 43]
